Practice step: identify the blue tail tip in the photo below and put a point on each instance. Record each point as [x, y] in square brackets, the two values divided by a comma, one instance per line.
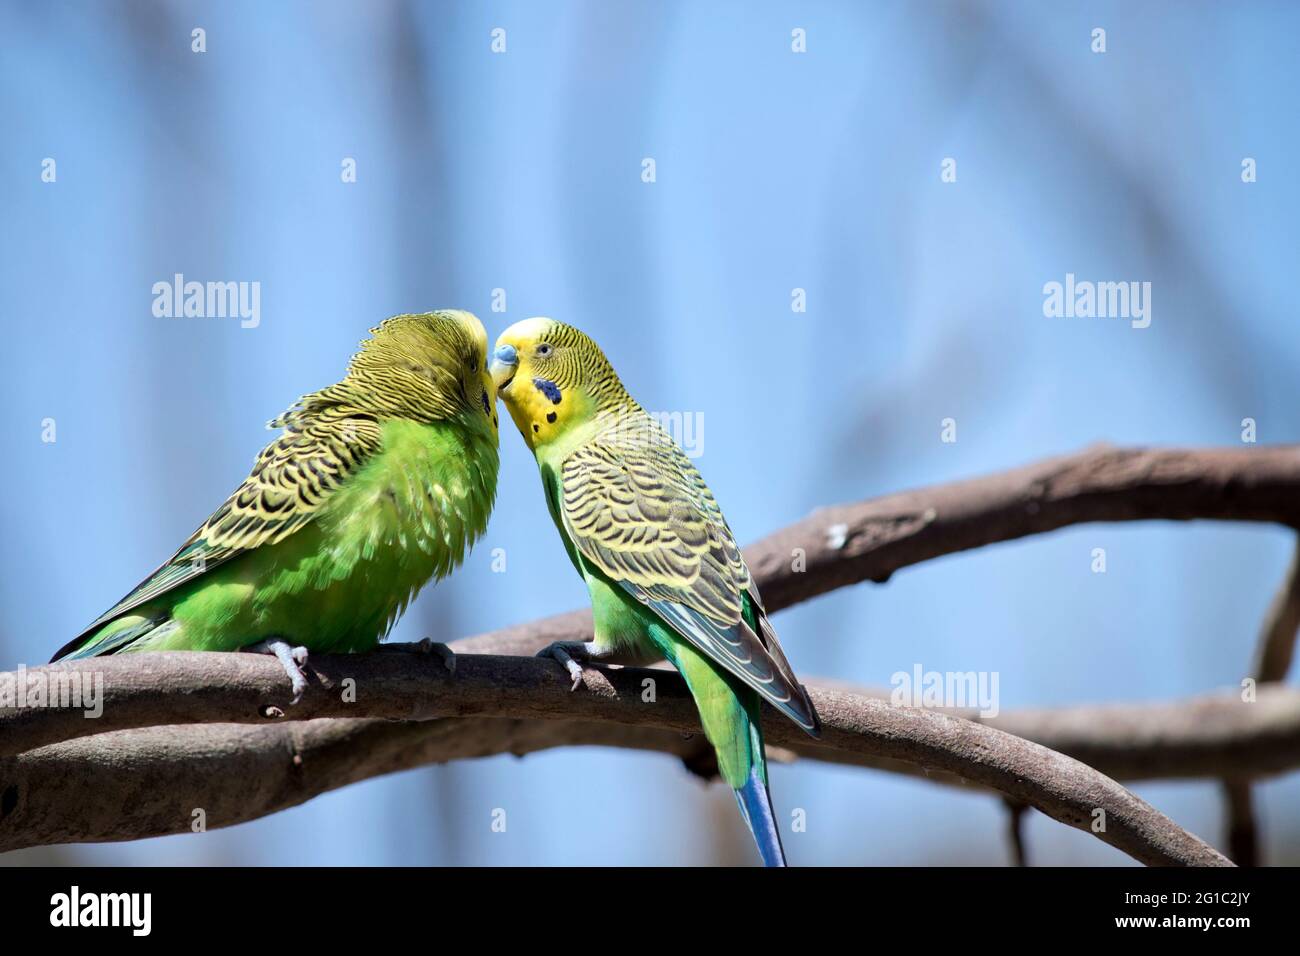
[756, 807]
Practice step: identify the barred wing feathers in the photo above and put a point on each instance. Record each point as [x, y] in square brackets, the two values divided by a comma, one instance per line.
[638, 510]
[292, 479]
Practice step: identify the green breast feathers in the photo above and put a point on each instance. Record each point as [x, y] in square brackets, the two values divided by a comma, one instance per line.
[376, 485]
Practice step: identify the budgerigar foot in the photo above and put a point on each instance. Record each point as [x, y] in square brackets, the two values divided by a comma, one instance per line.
[570, 654]
[291, 659]
[447, 655]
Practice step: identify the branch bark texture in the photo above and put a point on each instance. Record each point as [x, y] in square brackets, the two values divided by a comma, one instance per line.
[216, 731]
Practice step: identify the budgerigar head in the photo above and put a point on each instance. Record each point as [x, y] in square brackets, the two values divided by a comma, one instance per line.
[551, 377]
[429, 367]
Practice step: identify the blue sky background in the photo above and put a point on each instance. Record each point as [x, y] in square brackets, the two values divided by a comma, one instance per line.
[775, 170]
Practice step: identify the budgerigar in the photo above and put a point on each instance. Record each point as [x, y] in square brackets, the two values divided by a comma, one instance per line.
[376, 485]
[665, 575]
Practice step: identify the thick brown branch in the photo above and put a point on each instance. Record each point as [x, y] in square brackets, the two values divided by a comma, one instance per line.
[858, 729]
[1205, 736]
[832, 548]
[240, 772]
[150, 782]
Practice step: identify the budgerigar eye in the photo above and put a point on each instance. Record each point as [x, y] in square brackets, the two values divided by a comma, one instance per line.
[543, 349]
[473, 365]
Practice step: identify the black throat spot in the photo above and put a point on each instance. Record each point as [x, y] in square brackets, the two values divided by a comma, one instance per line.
[549, 389]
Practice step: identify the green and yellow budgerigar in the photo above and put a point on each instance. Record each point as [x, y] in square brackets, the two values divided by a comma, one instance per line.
[376, 485]
[665, 575]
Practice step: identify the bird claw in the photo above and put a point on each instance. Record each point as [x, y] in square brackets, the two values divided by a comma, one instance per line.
[445, 653]
[561, 652]
[575, 671]
[291, 658]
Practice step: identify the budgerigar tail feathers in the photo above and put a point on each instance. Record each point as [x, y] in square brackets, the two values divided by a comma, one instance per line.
[756, 807]
[729, 713]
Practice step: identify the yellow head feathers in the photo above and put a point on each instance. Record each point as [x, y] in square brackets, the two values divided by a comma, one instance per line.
[552, 377]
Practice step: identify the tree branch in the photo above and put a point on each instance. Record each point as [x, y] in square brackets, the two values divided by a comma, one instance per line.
[1099, 484]
[1243, 836]
[152, 779]
[1202, 736]
[1277, 635]
[1016, 832]
[1273, 653]
[870, 540]
[834, 547]
[43, 807]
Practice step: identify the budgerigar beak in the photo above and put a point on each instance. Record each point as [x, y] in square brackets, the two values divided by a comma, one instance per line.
[505, 362]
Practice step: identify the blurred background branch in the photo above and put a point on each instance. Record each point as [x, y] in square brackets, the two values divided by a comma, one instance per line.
[1274, 651]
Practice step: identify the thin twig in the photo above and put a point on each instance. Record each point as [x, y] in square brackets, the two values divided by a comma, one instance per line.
[1277, 635]
[1243, 836]
[1273, 654]
[1016, 831]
